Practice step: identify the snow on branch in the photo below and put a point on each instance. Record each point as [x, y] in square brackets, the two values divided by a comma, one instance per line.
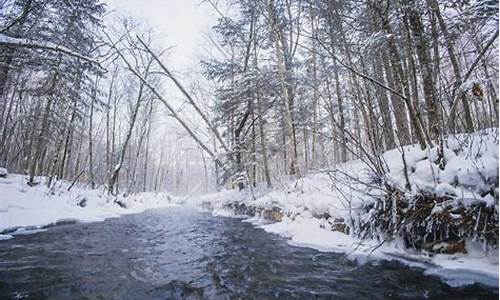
[26, 43]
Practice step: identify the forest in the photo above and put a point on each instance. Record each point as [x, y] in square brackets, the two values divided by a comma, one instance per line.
[374, 118]
[289, 87]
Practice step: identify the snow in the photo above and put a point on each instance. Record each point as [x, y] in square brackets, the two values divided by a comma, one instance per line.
[312, 204]
[20, 42]
[310, 207]
[456, 270]
[471, 166]
[4, 237]
[299, 231]
[25, 209]
[444, 189]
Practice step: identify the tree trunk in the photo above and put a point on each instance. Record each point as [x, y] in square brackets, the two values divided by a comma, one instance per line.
[91, 121]
[384, 105]
[454, 63]
[283, 61]
[433, 112]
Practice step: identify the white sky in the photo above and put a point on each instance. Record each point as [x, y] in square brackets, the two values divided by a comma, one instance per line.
[179, 23]
[183, 25]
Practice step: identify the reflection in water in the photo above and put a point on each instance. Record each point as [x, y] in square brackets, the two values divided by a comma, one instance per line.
[178, 253]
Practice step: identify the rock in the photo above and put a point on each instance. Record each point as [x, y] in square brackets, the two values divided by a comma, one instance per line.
[446, 247]
[458, 247]
[121, 204]
[82, 202]
[339, 224]
[341, 227]
[66, 222]
[273, 214]
[242, 209]
[3, 173]
[277, 216]
[324, 215]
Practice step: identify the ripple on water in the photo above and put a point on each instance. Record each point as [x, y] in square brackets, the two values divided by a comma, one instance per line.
[178, 253]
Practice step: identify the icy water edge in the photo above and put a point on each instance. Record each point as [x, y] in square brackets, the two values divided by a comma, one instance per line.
[180, 253]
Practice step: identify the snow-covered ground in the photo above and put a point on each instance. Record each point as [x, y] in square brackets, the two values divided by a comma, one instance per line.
[313, 209]
[456, 270]
[305, 230]
[25, 209]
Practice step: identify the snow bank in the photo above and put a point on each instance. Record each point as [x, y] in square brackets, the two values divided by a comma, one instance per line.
[23, 207]
[323, 210]
[470, 167]
[456, 270]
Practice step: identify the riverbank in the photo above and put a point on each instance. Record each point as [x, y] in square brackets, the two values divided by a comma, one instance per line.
[25, 209]
[323, 233]
[345, 210]
[446, 222]
[180, 253]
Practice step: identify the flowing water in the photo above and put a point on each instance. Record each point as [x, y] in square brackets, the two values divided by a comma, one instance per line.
[179, 253]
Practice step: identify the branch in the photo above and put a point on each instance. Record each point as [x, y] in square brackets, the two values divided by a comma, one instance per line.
[356, 72]
[25, 43]
[466, 77]
[185, 93]
[167, 105]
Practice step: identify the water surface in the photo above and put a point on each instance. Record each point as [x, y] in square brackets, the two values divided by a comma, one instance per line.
[179, 253]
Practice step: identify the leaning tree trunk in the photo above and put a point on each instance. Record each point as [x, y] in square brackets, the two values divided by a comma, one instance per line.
[116, 171]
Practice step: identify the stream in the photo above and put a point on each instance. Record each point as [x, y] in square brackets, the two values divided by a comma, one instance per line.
[181, 253]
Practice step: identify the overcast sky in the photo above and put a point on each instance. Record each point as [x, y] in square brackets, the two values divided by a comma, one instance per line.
[179, 23]
[184, 25]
